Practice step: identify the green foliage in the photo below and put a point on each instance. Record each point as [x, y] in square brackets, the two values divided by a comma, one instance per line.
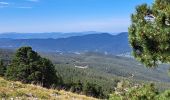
[75, 79]
[149, 33]
[2, 68]
[76, 87]
[164, 95]
[89, 89]
[104, 71]
[93, 90]
[29, 67]
[145, 92]
[142, 92]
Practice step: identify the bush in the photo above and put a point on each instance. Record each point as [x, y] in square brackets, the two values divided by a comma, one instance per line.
[29, 67]
[94, 90]
[76, 87]
[145, 92]
[2, 68]
[164, 95]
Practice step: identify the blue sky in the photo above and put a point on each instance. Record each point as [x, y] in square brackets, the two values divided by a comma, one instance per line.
[66, 15]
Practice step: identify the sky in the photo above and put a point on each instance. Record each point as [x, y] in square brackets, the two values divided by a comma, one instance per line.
[36, 16]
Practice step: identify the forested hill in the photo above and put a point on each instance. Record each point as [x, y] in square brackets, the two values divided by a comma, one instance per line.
[104, 42]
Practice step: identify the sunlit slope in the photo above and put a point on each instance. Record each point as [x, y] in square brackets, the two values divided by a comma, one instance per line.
[18, 91]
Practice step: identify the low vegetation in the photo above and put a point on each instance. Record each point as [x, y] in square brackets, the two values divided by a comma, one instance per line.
[126, 91]
[2, 68]
[10, 90]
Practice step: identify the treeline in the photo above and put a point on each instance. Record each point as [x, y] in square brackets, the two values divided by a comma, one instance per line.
[88, 89]
[72, 75]
[28, 66]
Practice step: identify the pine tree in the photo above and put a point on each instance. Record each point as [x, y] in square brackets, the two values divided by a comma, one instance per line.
[149, 33]
[2, 68]
[29, 67]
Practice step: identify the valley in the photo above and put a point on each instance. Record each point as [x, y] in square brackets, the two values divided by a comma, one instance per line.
[102, 69]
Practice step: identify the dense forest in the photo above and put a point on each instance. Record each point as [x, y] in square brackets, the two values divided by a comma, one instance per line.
[28, 66]
[91, 81]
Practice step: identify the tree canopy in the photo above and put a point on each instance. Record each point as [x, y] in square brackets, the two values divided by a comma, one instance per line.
[149, 33]
[29, 67]
[2, 68]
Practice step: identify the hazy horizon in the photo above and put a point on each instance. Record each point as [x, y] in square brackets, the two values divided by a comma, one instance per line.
[39, 16]
[83, 32]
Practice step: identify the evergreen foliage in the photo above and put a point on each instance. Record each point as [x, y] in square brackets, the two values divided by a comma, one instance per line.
[94, 90]
[149, 33]
[89, 89]
[76, 79]
[143, 92]
[29, 67]
[2, 68]
[140, 92]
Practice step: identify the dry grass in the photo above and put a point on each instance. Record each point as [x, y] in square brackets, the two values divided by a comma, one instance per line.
[17, 91]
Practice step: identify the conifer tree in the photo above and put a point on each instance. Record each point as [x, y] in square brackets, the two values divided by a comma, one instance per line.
[2, 68]
[149, 33]
[29, 67]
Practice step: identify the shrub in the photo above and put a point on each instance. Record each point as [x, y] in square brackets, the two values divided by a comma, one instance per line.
[145, 92]
[94, 90]
[2, 68]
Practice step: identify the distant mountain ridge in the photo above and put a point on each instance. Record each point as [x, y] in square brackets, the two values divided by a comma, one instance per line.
[54, 35]
[104, 42]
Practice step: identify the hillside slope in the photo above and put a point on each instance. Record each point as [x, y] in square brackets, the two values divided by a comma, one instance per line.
[18, 91]
[112, 65]
[102, 69]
